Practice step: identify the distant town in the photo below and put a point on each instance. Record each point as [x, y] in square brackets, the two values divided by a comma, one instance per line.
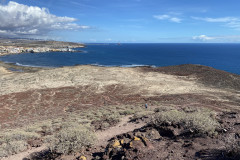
[16, 50]
[17, 46]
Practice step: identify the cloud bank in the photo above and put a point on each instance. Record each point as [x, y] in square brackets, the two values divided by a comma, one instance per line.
[18, 20]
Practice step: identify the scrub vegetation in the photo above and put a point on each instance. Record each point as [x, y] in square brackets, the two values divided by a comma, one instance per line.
[64, 135]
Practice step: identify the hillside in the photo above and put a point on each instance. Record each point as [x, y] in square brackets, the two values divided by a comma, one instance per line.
[193, 113]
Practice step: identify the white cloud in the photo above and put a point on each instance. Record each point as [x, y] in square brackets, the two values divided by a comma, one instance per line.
[174, 19]
[82, 5]
[168, 17]
[232, 22]
[228, 39]
[221, 19]
[22, 20]
[203, 38]
[162, 17]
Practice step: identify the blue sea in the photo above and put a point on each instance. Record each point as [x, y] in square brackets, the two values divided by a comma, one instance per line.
[220, 56]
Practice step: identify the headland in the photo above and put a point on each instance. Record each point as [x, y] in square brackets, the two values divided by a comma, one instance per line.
[17, 46]
[192, 112]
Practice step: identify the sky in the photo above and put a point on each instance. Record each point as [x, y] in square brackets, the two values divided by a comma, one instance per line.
[122, 21]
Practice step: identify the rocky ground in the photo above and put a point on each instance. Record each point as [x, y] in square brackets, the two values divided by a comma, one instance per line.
[31, 95]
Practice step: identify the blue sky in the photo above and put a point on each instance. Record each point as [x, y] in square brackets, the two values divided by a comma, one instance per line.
[135, 21]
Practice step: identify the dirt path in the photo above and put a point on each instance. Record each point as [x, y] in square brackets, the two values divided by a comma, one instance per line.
[122, 127]
[21, 156]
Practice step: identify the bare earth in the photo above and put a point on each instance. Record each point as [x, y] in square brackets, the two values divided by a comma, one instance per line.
[3, 71]
[123, 127]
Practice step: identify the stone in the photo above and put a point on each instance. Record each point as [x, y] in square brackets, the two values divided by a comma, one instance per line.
[152, 134]
[82, 158]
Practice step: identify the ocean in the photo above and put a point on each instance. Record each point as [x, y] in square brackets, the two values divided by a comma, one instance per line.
[220, 56]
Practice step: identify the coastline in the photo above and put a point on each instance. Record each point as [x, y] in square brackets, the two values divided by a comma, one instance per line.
[9, 46]
[7, 68]
[205, 75]
[20, 50]
[128, 55]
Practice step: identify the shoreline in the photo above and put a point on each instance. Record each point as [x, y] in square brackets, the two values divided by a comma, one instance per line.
[205, 75]
[18, 46]
[13, 68]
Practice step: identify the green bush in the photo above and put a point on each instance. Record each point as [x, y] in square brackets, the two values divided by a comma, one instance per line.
[72, 139]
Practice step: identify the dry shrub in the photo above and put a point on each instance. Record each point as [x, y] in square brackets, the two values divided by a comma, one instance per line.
[115, 117]
[17, 135]
[110, 115]
[199, 122]
[127, 112]
[12, 147]
[163, 109]
[105, 125]
[15, 141]
[72, 139]
[141, 115]
[232, 145]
